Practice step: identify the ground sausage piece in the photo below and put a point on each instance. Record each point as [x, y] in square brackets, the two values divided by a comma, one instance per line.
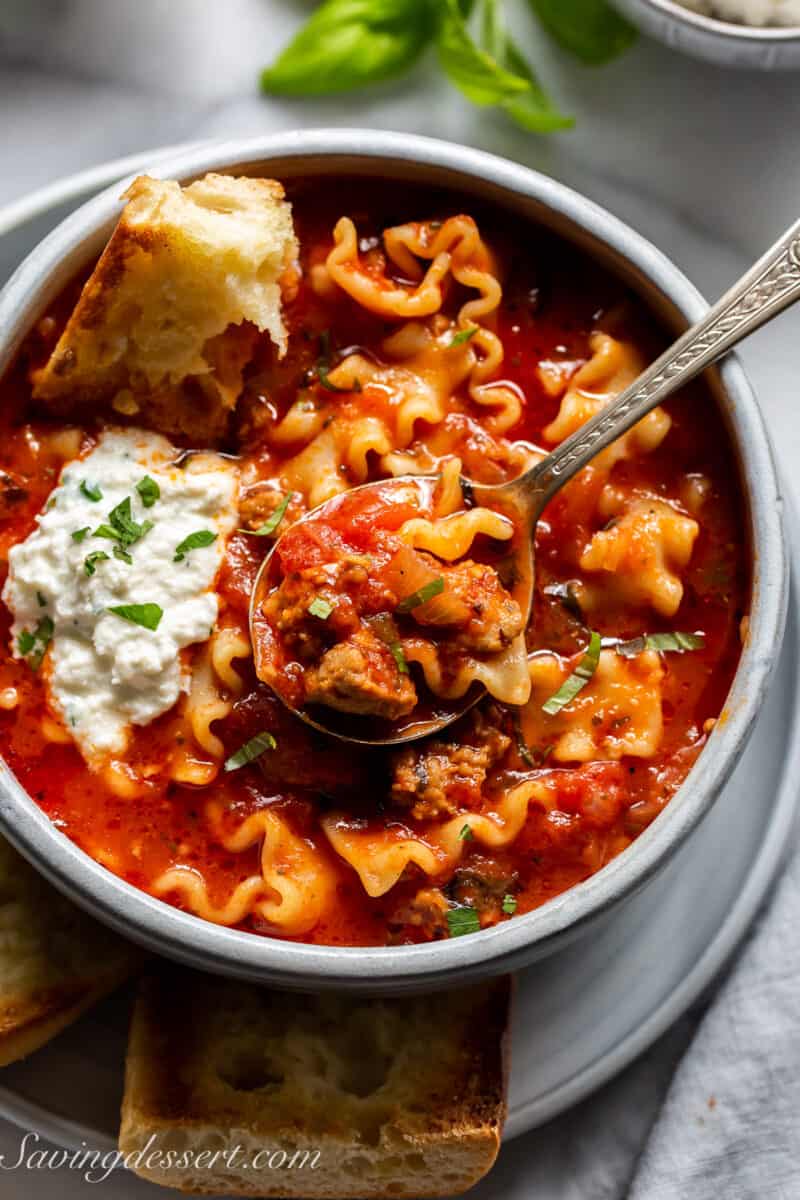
[341, 585]
[495, 617]
[259, 502]
[439, 778]
[361, 676]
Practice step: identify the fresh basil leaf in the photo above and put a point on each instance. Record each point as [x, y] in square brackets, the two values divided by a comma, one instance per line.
[347, 44]
[250, 751]
[122, 555]
[589, 29]
[149, 491]
[399, 657]
[509, 905]
[462, 920]
[195, 541]
[91, 491]
[272, 523]
[25, 642]
[463, 335]
[465, 833]
[147, 615]
[474, 72]
[91, 561]
[662, 642]
[320, 607]
[533, 109]
[79, 534]
[422, 595]
[575, 682]
[32, 646]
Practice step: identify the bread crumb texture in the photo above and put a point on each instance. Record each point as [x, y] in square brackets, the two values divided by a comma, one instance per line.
[400, 1097]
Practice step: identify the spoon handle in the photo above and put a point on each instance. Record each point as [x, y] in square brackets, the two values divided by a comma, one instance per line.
[767, 288]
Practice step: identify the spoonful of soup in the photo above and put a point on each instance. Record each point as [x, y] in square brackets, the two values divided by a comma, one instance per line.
[385, 613]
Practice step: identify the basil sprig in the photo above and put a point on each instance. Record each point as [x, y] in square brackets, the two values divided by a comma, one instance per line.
[348, 44]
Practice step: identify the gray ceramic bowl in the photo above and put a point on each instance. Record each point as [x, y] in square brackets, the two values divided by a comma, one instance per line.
[675, 301]
[720, 42]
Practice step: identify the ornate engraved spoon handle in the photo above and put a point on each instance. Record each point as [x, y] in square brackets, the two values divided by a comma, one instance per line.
[767, 288]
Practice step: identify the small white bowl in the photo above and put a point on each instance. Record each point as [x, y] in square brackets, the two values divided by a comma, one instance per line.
[721, 42]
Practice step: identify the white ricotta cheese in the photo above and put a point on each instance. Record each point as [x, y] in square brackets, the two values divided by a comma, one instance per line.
[105, 673]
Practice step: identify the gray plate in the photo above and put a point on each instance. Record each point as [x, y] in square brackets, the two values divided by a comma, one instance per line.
[584, 1013]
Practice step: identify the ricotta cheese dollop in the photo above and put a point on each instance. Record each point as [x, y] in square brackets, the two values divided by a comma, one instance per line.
[104, 672]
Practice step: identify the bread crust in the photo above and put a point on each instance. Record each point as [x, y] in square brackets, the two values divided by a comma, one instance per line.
[170, 315]
[55, 961]
[401, 1097]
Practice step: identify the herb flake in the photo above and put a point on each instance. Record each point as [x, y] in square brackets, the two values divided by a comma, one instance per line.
[422, 595]
[78, 535]
[272, 523]
[195, 541]
[91, 560]
[662, 642]
[575, 682]
[320, 607]
[91, 491]
[509, 905]
[399, 657]
[462, 920]
[250, 751]
[149, 491]
[463, 335]
[147, 615]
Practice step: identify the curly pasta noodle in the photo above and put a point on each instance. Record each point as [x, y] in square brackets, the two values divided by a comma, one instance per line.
[451, 537]
[505, 676]
[380, 857]
[454, 248]
[289, 895]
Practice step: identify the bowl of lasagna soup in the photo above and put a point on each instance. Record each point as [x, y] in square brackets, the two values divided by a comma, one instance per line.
[255, 329]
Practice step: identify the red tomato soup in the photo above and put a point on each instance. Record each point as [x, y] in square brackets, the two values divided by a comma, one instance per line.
[427, 335]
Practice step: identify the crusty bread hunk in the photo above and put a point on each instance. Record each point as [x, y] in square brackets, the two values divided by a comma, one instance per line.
[167, 321]
[55, 961]
[401, 1097]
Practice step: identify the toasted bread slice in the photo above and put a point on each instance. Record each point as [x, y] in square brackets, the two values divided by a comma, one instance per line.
[54, 960]
[167, 321]
[324, 1096]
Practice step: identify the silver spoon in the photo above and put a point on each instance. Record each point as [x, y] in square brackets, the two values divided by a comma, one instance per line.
[766, 290]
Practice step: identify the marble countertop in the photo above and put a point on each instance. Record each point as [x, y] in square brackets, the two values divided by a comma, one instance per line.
[703, 161]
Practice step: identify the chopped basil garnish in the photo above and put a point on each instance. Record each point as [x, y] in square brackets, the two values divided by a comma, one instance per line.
[465, 833]
[149, 491]
[422, 595]
[147, 615]
[80, 534]
[91, 560]
[123, 555]
[195, 541]
[509, 905]
[32, 646]
[121, 526]
[662, 642]
[272, 523]
[463, 335]
[523, 749]
[399, 657]
[462, 920]
[250, 751]
[320, 607]
[575, 682]
[91, 491]
[41, 600]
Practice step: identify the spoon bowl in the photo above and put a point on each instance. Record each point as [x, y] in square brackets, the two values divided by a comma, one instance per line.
[769, 287]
